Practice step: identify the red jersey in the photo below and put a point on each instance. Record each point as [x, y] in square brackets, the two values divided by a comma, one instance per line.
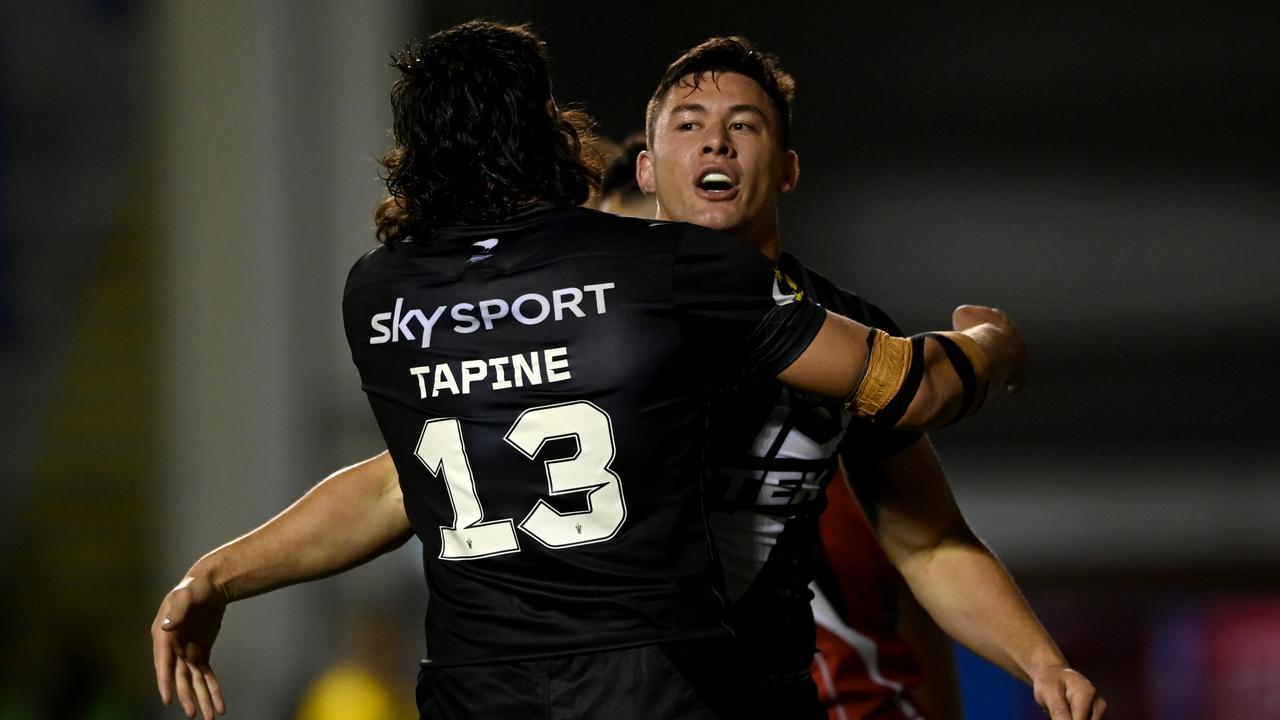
[863, 668]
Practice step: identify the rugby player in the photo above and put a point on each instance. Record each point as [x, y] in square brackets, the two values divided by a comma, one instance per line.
[540, 373]
[718, 126]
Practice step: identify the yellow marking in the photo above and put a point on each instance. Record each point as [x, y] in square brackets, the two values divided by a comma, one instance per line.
[785, 278]
[887, 370]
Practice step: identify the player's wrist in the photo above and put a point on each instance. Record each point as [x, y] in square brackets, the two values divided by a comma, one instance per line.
[1044, 664]
[995, 344]
[213, 571]
[971, 365]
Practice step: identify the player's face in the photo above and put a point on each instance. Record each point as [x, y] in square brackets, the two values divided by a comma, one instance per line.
[717, 157]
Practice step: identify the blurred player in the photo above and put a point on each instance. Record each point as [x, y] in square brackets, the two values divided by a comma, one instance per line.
[718, 129]
[619, 192]
[540, 374]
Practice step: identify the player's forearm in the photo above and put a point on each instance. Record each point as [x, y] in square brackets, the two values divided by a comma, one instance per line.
[969, 593]
[916, 383]
[939, 400]
[871, 373]
[985, 351]
[352, 516]
[938, 694]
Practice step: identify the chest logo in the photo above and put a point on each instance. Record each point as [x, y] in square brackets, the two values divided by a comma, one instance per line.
[483, 250]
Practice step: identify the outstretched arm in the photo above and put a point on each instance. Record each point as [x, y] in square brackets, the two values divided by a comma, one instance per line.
[347, 519]
[916, 383]
[938, 694]
[962, 584]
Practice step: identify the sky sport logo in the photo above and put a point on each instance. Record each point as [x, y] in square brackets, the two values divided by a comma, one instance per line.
[532, 308]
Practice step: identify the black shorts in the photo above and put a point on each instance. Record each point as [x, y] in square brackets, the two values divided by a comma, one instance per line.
[794, 697]
[652, 682]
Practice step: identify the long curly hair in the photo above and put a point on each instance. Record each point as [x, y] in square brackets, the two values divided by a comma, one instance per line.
[477, 135]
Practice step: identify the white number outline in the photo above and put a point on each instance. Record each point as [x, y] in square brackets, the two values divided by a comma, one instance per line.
[612, 483]
[453, 551]
[564, 477]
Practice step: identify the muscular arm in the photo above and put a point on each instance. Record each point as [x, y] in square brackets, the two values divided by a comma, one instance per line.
[938, 694]
[962, 584]
[834, 364]
[347, 519]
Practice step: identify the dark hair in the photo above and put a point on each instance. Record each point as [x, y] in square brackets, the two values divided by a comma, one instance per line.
[474, 140]
[733, 54]
[620, 173]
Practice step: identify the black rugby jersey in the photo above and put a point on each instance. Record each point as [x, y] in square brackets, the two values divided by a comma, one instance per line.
[542, 386]
[773, 450]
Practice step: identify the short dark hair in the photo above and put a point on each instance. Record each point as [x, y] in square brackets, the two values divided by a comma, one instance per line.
[620, 173]
[474, 141]
[733, 54]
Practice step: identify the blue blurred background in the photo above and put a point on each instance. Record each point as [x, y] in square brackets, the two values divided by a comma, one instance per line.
[184, 185]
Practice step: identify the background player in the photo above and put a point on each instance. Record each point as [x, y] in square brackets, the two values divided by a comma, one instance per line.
[718, 128]
[619, 192]
[486, 421]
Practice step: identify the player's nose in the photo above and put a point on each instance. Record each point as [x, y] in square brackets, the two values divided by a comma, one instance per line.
[717, 142]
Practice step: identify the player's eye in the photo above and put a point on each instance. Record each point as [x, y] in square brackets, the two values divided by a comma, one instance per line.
[741, 126]
[685, 126]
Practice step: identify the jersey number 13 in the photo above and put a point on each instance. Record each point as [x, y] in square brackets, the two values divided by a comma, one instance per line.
[443, 452]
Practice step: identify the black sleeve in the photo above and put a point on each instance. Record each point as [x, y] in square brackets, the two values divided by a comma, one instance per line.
[728, 294]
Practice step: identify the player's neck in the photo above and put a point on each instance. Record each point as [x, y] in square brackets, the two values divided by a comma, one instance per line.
[764, 235]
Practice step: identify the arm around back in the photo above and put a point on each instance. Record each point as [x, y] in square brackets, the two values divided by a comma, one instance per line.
[350, 517]
[912, 383]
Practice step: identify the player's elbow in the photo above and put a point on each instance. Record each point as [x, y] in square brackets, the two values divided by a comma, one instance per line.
[916, 552]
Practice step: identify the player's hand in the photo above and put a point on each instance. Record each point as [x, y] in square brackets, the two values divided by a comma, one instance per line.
[1002, 341]
[1065, 694]
[182, 637]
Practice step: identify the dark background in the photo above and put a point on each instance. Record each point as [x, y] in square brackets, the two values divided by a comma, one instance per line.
[183, 187]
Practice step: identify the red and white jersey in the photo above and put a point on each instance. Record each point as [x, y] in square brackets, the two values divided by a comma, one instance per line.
[863, 668]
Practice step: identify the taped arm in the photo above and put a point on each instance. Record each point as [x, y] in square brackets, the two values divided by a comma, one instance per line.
[925, 381]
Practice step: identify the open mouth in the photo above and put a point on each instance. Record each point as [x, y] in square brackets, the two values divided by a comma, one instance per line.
[715, 181]
[716, 185]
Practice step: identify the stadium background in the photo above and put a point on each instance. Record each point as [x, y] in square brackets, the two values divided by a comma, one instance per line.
[183, 186]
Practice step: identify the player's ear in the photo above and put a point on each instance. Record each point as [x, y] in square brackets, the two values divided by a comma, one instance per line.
[790, 172]
[644, 172]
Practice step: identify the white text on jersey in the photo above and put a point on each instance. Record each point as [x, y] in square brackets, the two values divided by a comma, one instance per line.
[528, 309]
[532, 368]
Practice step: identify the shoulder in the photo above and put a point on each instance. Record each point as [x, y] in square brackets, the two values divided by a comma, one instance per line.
[367, 269]
[675, 242]
[837, 299]
[709, 262]
[581, 230]
[589, 219]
